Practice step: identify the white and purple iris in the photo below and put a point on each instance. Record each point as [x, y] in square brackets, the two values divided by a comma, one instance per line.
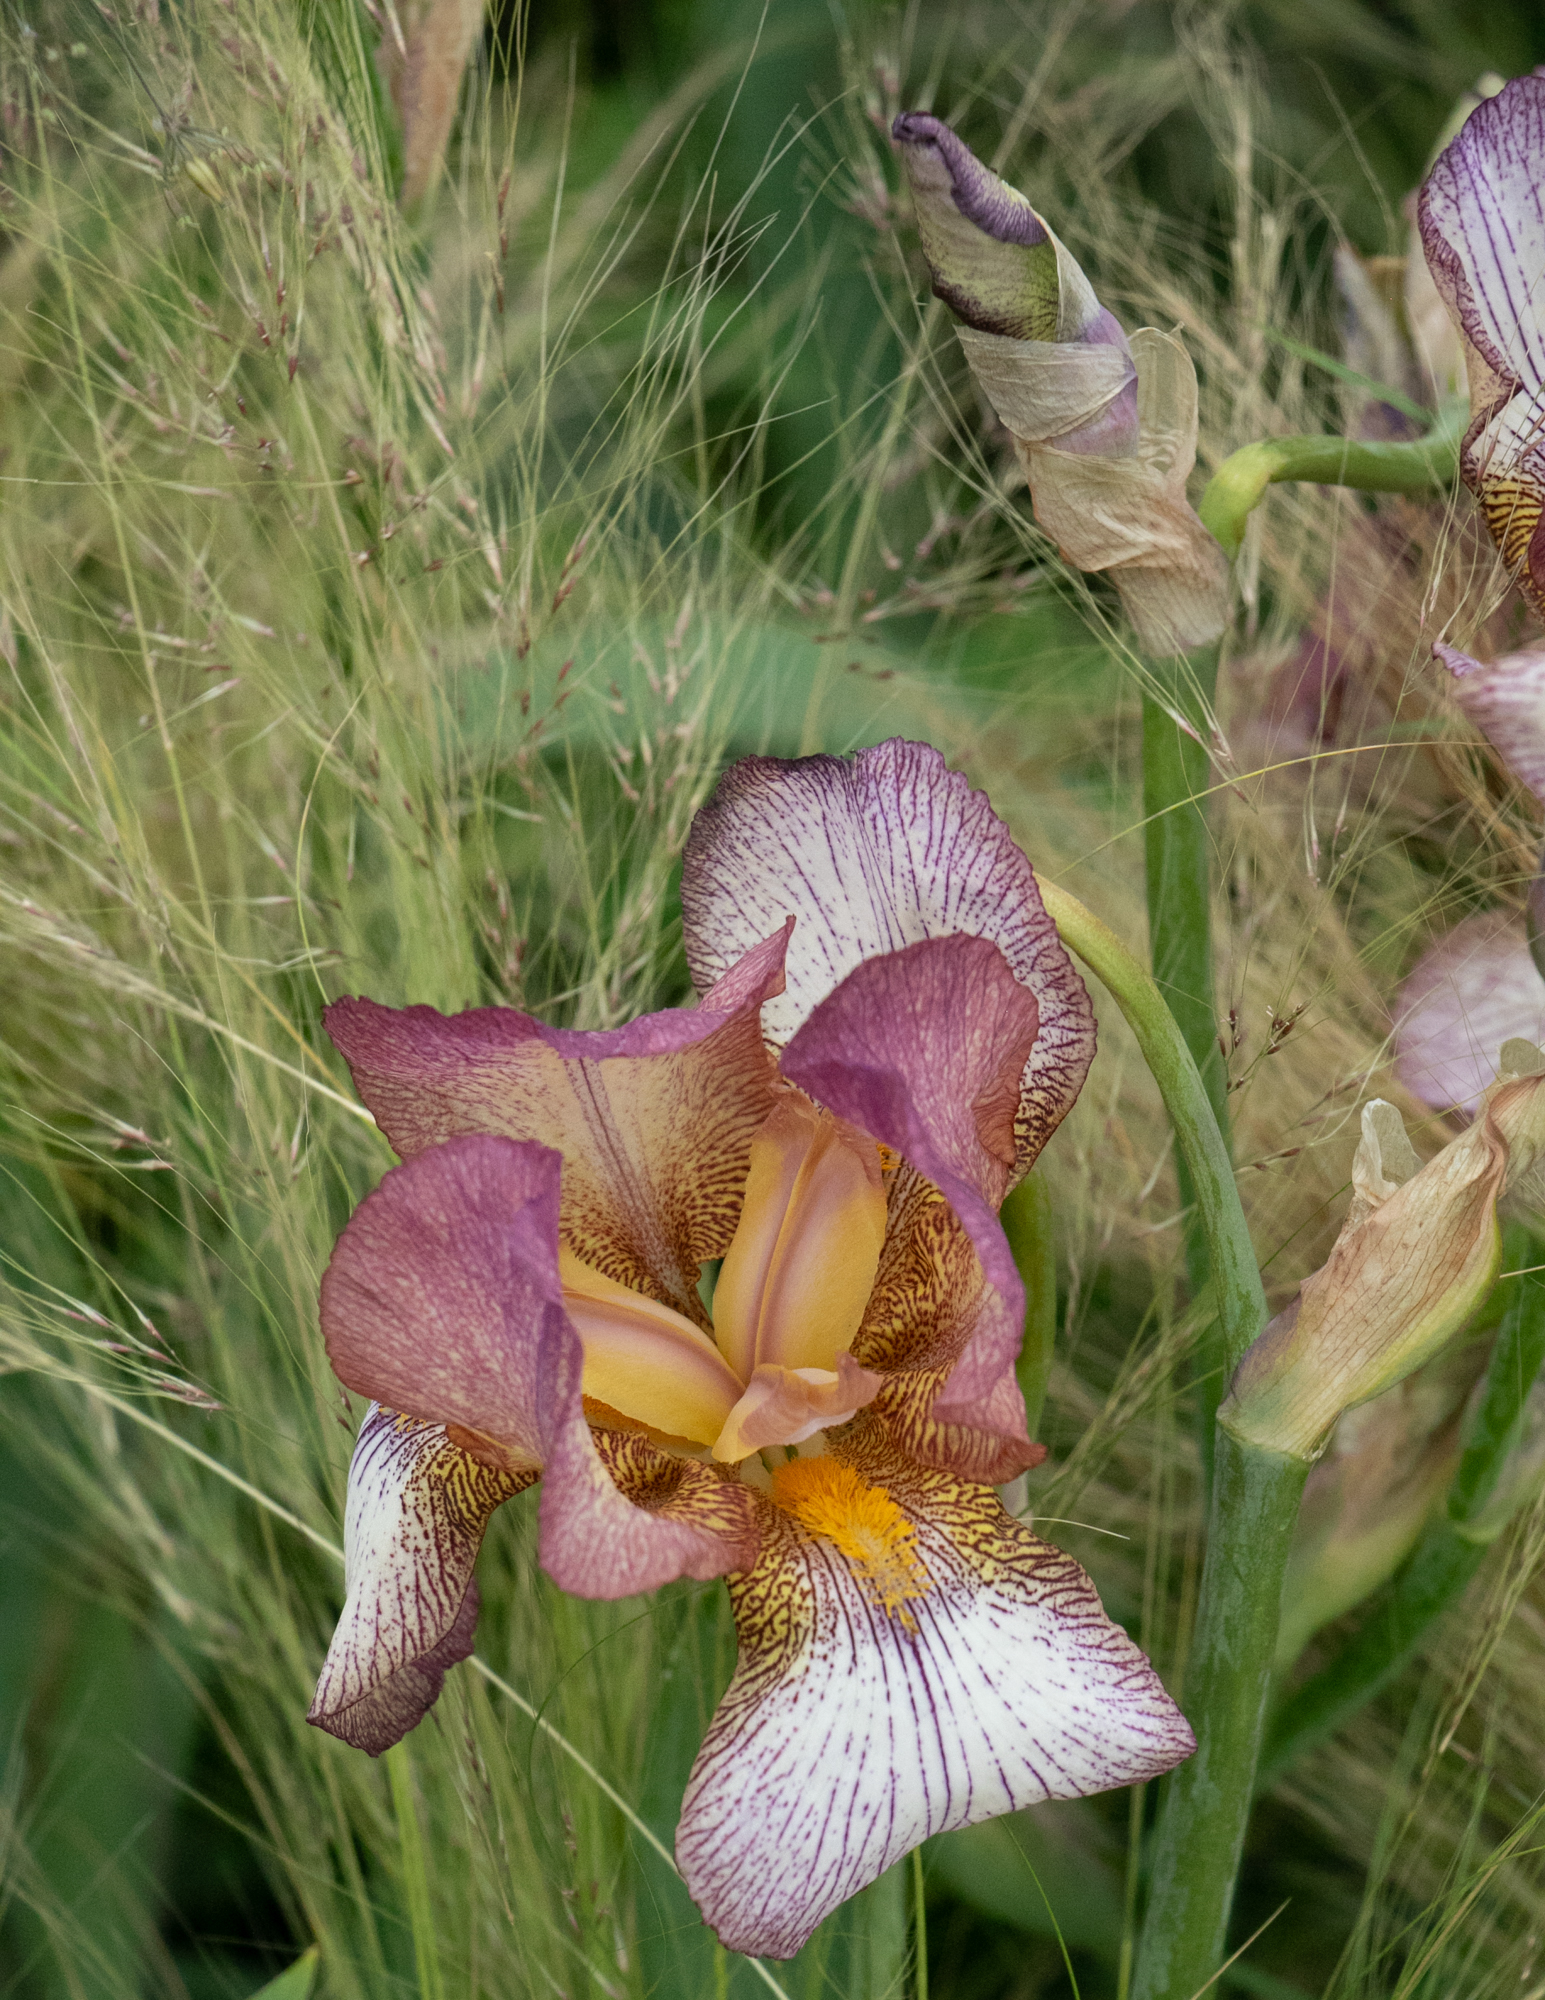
[888, 1031]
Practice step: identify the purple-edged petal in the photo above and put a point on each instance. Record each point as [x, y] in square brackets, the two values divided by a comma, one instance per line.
[444, 1298]
[924, 1048]
[444, 1287]
[654, 1120]
[850, 1732]
[1471, 991]
[1506, 700]
[1482, 217]
[1051, 359]
[869, 854]
[414, 1522]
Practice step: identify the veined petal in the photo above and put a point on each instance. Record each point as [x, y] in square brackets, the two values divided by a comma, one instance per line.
[789, 1405]
[923, 1048]
[653, 1120]
[444, 1286]
[644, 1360]
[870, 854]
[1482, 218]
[852, 1731]
[444, 1297]
[796, 1279]
[414, 1522]
[620, 1515]
[1506, 699]
[1471, 991]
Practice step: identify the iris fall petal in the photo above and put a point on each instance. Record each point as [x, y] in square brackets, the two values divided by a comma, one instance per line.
[1481, 212]
[417, 1508]
[851, 1732]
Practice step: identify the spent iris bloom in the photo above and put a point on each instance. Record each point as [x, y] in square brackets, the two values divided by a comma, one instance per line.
[888, 1031]
[1417, 1254]
[1481, 213]
[1479, 985]
[1105, 427]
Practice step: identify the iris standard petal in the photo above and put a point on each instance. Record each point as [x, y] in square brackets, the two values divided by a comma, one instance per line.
[654, 1120]
[1481, 213]
[1468, 993]
[924, 1048]
[915, 1661]
[1506, 699]
[414, 1522]
[869, 854]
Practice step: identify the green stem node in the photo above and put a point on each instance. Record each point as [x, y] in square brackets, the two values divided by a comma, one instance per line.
[1424, 465]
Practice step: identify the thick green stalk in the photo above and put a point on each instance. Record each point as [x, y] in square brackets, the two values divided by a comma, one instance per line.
[1237, 1293]
[1027, 1222]
[1177, 850]
[1436, 1574]
[1201, 1831]
[1424, 465]
[416, 1890]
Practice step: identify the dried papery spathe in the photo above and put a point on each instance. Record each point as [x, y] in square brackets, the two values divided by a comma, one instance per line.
[1414, 1259]
[1105, 428]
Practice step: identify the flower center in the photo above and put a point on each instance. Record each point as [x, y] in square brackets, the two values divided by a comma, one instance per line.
[789, 1302]
[864, 1524]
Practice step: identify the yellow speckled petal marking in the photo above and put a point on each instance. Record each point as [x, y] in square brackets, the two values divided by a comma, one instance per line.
[417, 1508]
[849, 1734]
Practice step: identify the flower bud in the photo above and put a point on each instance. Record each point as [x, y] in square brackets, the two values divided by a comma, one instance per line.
[1417, 1254]
[1104, 428]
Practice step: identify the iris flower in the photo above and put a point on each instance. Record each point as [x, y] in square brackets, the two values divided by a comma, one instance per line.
[888, 1032]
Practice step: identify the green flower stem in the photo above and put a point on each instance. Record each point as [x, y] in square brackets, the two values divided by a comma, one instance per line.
[1424, 465]
[1201, 1830]
[1255, 1500]
[1239, 1299]
[1177, 851]
[1436, 1574]
[1027, 1222]
[415, 1874]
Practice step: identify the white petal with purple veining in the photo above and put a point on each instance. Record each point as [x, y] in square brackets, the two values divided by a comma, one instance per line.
[1471, 991]
[870, 854]
[1482, 217]
[1506, 699]
[849, 1733]
[417, 1508]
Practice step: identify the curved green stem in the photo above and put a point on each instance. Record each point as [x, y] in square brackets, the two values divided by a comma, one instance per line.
[1425, 464]
[1178, 867]
[1027, 1222]
[1241, 1303]
[1201, 1831]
